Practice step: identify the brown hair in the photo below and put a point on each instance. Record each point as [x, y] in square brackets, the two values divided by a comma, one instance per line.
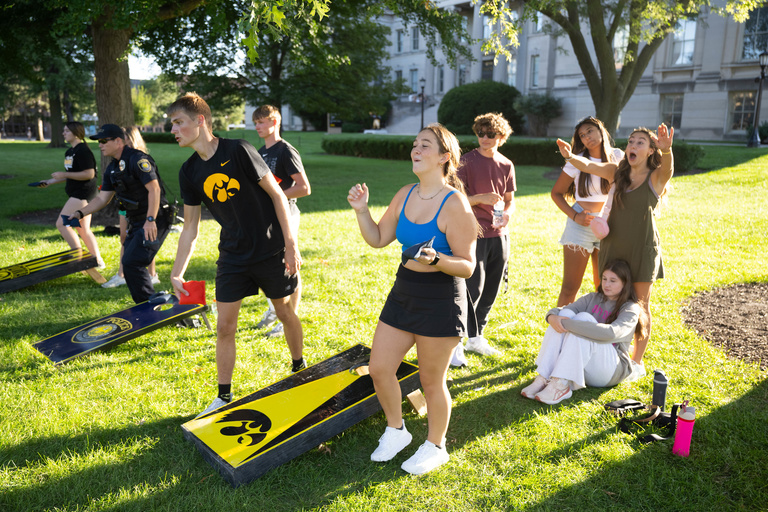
[267, 112]
[627, 293]
[193, 105]
[495, 122]
[77, 129]
[606, 155]
[448, 143]
[622, 178]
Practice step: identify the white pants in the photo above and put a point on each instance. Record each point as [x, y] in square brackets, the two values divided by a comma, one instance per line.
[583, 362]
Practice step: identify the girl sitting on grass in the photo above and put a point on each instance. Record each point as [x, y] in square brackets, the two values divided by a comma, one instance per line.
[587, 343]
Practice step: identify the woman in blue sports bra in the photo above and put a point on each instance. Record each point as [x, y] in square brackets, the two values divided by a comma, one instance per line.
[427, 306]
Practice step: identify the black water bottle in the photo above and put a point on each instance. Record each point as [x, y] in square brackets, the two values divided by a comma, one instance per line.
[659, 388]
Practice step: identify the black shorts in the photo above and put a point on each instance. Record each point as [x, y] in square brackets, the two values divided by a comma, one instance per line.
[427, 303]
[234, 282]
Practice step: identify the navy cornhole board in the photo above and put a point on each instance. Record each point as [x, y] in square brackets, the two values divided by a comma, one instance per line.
[108, 331]
[46, 268]
[248, 437]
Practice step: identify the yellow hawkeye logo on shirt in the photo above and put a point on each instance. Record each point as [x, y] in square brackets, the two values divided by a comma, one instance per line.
[220, 187]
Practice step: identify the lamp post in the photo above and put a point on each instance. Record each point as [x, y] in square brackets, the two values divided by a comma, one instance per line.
[754, 141]
[422, 83]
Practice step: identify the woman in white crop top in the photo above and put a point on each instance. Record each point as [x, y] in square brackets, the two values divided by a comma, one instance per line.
[590, 194]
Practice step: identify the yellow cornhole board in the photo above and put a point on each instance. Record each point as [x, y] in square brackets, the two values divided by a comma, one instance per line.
[248, 437]
[50, 267]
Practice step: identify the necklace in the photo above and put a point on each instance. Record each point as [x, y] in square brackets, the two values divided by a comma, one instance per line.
[418, 192]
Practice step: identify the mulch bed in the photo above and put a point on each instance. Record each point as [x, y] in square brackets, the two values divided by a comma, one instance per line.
[734, 318]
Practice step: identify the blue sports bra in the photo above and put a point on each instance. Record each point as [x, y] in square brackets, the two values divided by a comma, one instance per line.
[409, 233]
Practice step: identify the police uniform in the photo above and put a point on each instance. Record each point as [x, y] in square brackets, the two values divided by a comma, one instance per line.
[127, 178]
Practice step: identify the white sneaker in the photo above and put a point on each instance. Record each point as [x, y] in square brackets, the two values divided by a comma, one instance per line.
[155, 279]
[114, 282]
[426, 458]
[276, 331]
[458, 358]
[638, 372]
[481, 346]
[268, 319]
[534, 387]
[217, 402]
[391, 443]
[556, 391]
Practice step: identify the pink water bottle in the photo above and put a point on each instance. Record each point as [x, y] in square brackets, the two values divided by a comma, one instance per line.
[684, 430]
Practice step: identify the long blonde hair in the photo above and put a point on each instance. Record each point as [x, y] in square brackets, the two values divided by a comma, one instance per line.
[448, 144]
[134, 139]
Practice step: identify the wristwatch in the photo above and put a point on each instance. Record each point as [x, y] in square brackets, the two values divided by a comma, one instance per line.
[150, 218]
[434, 261]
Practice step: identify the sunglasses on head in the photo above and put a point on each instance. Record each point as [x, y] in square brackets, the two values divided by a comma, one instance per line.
[490, 135]
[104, 141]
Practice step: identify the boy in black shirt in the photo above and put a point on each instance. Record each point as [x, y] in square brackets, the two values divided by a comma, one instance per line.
[285, 163]
[257, 249]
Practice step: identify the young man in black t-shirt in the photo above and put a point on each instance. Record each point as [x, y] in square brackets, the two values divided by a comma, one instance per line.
[285, 163]
[257, 249]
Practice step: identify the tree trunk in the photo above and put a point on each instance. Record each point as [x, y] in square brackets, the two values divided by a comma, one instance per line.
[54, 101]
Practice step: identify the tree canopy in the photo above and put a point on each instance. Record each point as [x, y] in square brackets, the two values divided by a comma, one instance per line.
[645, 22]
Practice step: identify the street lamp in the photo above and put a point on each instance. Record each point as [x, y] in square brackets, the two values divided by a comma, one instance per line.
[422, 83]
[754, 141]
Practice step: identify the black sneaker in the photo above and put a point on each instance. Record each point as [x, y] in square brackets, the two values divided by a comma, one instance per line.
[299, 365]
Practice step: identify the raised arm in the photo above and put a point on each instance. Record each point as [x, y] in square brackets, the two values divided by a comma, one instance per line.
[663, 174]
[603, 169]
[375, 234]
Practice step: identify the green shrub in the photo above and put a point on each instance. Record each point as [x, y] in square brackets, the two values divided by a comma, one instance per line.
[462, 104]
[161, 137]
[540, 109]
[520, 150]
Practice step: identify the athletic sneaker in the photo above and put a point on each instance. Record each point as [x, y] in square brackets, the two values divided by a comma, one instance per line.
[534, 387]
[556, 391]
[114, 282]
[217, 402]
[638, 372]
[298, 365]
[481, 346]
[155, 279]
[391, 443]
[427, 458]
[268, 319]
[276, 331]
[458, 358]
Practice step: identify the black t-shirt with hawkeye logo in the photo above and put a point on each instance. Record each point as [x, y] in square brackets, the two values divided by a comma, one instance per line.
[228, 185]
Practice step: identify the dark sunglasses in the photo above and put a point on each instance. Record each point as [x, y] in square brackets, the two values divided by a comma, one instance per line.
[491, 135]
[104, 141]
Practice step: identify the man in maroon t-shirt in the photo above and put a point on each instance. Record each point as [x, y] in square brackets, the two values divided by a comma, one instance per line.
[489, 178]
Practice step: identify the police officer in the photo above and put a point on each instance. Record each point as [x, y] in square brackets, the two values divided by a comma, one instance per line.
[132, 176]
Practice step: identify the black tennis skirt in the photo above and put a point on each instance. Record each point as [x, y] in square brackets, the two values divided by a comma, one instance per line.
[427, 303]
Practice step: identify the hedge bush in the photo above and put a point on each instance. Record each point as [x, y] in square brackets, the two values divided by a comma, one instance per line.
[460, 106]
[521, 151]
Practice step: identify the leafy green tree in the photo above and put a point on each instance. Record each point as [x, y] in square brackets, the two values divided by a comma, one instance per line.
[592, 25]
[540, 109]
[462, 104]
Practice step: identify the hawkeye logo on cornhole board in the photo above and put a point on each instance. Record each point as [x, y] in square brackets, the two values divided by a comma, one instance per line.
[102, 331]
[239, 434]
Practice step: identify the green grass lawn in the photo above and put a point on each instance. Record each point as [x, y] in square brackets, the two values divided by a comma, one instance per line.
[103, 432]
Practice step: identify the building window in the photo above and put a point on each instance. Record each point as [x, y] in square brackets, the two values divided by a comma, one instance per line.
[399, 76]
[399, 36]
[534, 70]
[462, 74]
[742, 110]
[683, 43]
[487, 71]
[414, 38]
[672, 109]
[441, 79]
[413, 79]
[511, 70]
[465, 26]
[755, 34]
[486, 27]
[620, 42]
